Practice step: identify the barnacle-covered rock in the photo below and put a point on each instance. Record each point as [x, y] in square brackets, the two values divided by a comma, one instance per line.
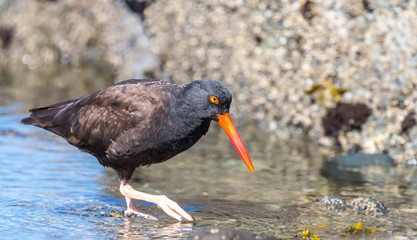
[271, 52]
[368, 206]
[45, 33]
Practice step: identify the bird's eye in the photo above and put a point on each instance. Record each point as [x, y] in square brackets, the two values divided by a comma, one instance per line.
[214, 100]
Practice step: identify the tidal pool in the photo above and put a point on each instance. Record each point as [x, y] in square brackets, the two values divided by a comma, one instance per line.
[50, 190]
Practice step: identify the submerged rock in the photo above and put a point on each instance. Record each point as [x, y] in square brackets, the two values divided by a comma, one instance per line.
[359, 167]
[368, 206]
[229, 234]
[333, 202]
[365, 205]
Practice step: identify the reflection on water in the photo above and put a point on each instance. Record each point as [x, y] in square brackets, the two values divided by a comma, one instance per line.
[51, 190]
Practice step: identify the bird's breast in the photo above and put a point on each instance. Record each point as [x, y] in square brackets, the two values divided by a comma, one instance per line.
[162, 144]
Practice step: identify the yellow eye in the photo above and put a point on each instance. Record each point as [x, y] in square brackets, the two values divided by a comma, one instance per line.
[214, 100]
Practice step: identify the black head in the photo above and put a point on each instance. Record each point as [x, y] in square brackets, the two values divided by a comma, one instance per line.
[204, 99]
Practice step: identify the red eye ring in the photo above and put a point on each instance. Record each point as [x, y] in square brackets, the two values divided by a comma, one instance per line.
[214, 100]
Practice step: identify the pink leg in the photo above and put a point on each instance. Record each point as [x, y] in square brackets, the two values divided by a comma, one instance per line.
[167, 205]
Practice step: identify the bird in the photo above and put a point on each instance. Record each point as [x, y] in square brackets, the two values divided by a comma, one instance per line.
[139, 122]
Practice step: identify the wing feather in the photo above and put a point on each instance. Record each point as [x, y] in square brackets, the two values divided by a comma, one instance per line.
[94, 121]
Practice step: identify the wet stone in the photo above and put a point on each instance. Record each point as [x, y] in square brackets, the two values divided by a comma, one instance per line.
[333, 202]
[359, 167]
[365, 205]
[368, 206]
[411, 163]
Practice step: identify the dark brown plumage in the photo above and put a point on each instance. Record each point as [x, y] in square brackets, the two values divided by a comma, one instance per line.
[140, 122]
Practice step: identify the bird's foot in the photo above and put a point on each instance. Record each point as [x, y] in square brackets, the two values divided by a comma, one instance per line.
[131, 212]
[171, 208]
[163, 202]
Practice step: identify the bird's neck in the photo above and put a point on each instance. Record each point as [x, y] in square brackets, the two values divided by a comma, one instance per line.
[186, 120]
[182, 132]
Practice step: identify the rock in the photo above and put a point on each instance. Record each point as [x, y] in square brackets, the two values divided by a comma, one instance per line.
[67, 32]
[408, 122]
[6, 36]
[368, 206]
[333, 202]
[270, 52]
[359, 167]
[229, 234]
[345, 117]
[365, 205]
[411, 163]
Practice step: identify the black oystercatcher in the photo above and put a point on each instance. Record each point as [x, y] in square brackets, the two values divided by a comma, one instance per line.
[140, 122]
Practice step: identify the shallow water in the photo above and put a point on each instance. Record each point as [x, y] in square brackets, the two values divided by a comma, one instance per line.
[51, 190]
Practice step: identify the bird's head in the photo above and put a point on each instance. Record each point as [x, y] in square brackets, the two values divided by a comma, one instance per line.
[210, 100]
[205, 99]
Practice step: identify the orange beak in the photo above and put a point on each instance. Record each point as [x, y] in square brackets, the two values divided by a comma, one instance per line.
[227, 125]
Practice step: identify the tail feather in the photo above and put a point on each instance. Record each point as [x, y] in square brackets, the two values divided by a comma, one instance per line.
[43, 116]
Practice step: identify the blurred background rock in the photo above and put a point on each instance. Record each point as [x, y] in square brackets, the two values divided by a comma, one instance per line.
[59, 42]
[288, 63]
